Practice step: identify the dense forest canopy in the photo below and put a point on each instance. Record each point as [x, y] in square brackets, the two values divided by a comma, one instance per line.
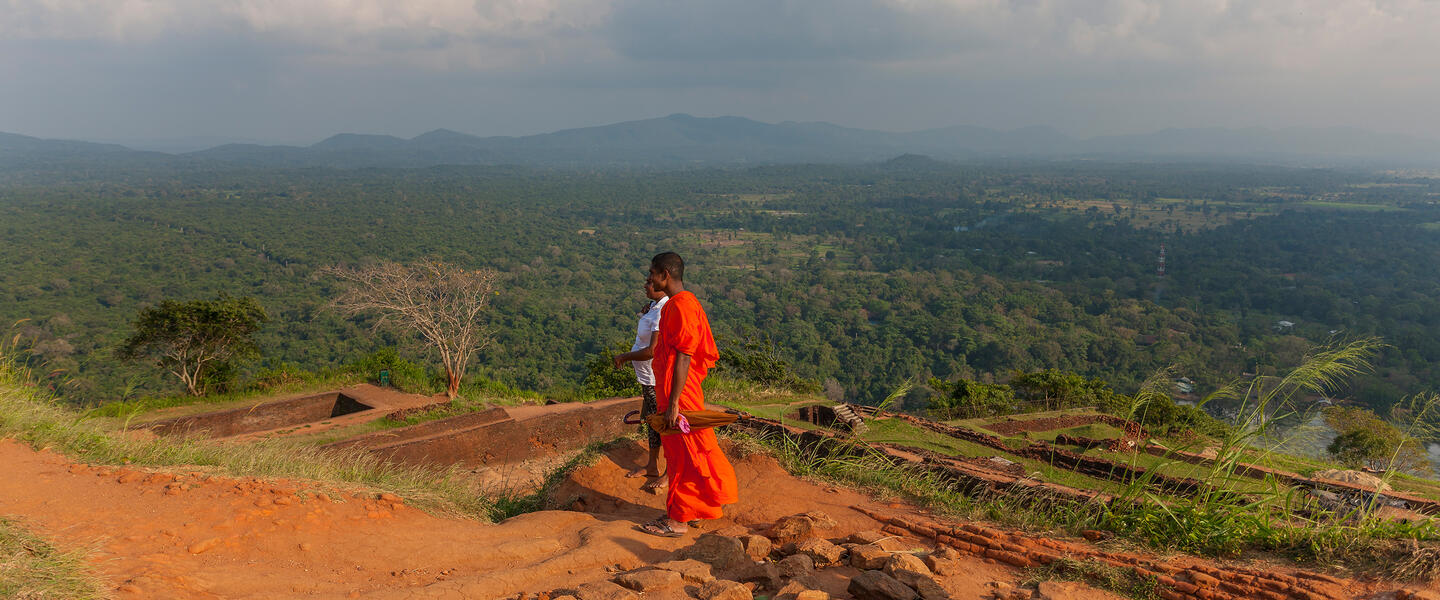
[865, 275]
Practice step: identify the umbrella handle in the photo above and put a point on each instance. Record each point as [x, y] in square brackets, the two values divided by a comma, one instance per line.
[633, 413]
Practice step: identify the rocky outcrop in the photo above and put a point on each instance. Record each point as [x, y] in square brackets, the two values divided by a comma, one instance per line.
[1177, 582]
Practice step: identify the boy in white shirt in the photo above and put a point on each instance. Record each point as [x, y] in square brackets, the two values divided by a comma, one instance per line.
[639, 356]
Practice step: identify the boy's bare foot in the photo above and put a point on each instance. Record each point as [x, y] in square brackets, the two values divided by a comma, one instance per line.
[653, 485]
[636, 473]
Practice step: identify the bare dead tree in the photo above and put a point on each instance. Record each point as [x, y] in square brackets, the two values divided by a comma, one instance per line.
[441, 302]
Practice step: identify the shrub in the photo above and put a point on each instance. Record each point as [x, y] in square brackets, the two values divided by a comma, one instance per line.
[404, 374]
[604, 380]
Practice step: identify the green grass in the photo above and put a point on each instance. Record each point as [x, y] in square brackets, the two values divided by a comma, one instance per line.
[742, 394]
[26, 414]
[1210, 528]
[1177, 468]
[981, 422]
[895, 431]
[876, 475]
[1096, 431]
[139, 409]
[33, 569]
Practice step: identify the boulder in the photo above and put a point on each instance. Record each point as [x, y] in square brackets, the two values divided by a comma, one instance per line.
[720, 552]
[868, 536]
[799, 527]
[911, 571]
[724, 589]
[822, 552]
[603, 590]
[869, 557]
[941, 566]
[929, 589]
[757, 547]
[793, 589]
[895, 544]
[875, 585]
[690, 570]
[765, 574]
[905, 566]
[796, 565]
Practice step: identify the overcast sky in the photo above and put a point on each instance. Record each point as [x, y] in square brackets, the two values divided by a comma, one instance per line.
[301, 70]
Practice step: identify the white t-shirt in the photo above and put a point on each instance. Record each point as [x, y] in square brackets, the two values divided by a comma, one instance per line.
[649, 324]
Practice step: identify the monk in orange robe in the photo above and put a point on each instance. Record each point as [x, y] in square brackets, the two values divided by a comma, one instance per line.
[701, 478]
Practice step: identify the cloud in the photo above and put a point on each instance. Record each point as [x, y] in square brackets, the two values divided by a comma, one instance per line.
[1091, 65]
[436, 34]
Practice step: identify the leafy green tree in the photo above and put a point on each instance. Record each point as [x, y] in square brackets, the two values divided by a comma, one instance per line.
[761, 362]
[1060, 389]
[967, 398]
[1360, 447]
[1367, 440]
[197, 339]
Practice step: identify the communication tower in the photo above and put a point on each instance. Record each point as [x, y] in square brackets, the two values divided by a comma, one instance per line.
[1160, 263]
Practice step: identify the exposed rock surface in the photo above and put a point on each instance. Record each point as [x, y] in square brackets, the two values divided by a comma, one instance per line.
[720, 552]
[690, 570]
[724, 589]
[794, 528]
[876, 585]
[823, 552]
[649, 580]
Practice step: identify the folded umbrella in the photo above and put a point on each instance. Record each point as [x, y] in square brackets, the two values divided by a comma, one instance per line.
[699, 419]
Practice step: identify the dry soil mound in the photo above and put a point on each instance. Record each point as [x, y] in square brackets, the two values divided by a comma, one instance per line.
[1354, 477]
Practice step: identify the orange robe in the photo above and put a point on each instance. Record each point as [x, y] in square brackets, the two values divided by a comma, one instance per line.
[701, 478]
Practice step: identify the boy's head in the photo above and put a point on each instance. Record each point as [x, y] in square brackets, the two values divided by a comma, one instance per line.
[651, 292]
[665, 268]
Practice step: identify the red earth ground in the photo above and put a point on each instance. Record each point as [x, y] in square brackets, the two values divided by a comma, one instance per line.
[178, 534]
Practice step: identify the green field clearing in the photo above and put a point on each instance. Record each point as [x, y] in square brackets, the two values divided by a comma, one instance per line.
[900, 433]
[1098, 431]
[981, 422]
[1350, 206]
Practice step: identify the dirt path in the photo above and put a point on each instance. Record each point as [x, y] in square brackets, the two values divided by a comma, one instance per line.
[185, 535]
[228, 538]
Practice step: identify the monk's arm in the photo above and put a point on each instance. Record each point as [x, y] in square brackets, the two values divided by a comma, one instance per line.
[677, 385]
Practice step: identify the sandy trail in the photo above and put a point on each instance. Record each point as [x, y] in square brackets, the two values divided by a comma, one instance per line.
[185, 535]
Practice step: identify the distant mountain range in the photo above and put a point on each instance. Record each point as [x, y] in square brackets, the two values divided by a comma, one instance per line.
[683, 140]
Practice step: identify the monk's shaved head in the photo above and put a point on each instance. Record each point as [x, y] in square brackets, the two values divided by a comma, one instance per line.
[669, 263]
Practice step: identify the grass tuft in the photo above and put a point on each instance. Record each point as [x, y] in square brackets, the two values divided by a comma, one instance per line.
[33, 569]
[1116, 579]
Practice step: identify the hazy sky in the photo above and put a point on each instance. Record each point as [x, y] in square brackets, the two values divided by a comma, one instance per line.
[300, 70]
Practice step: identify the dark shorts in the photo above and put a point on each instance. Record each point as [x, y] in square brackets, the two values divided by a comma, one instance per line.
[647, 408]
